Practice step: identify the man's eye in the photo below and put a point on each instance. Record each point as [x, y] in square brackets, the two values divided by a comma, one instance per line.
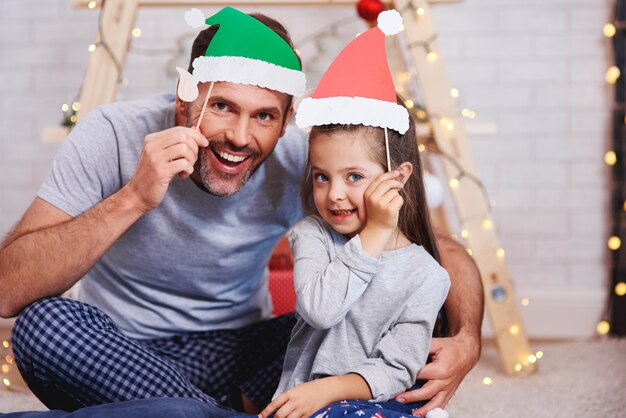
[354, 177]
[265, 116]
[220, 106]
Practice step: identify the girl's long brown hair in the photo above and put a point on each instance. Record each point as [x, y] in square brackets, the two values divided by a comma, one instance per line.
[414, 219]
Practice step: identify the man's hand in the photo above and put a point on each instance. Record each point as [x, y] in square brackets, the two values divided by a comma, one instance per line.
[165, 154]
[300, 401]
[452, 359]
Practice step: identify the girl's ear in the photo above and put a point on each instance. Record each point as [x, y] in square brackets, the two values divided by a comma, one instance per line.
[406, 169]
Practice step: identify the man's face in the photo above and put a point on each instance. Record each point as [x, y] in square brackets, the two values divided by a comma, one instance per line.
[243, 124]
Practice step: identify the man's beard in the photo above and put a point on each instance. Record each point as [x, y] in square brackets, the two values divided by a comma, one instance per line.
[213, 180]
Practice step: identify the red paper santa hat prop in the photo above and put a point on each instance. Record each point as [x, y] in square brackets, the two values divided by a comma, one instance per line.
[358, 88]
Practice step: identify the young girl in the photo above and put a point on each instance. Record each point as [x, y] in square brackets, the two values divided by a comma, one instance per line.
[367, 281]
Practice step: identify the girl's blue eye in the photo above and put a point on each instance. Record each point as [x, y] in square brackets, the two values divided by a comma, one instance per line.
[320, 177]
[354, 177]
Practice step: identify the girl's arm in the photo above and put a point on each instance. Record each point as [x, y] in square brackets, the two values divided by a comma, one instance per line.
[303, 400]
[325, 289]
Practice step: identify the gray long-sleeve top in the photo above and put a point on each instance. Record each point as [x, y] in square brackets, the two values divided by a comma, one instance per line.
[357, 314]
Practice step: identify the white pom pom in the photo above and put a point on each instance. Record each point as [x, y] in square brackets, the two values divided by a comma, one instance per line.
[389, 22]
[437, 413]
[194, 18]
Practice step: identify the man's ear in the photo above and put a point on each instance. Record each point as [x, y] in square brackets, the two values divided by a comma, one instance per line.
[181, 115]
[406, 169]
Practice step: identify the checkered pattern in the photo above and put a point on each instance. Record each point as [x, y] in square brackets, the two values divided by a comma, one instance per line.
[72, 354]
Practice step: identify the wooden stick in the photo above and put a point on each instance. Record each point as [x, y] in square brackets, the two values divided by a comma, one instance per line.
[206, 100]
[387, 149]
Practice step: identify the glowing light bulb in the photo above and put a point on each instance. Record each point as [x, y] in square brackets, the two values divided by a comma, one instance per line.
[500, 253]
[610, 158]
[466, 112]
[404, 76]
[612, 74]
[431, 56]
[514, 329]
[401, 28]
[421, 147]
[5, 344]
[539, 354]
[487, 224]
[454, 183]
[409, 103]
[603, 327]
[614, 243]
[5, 368]
[470, 252]
[136, 32]
[92, 48]
[518, 367]
[454, 93]
[487, 381]
[66, 107]
[73, 119]
[525, 302]
[620, 289]
[450, 126]
[532, 359]
[421, 114]
[91, 4]
[609, 30]
[6, 381]
[420, 11]
[465, 233]
[75, 106]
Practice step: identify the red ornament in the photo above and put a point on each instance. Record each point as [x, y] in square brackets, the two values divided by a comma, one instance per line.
[369, 9]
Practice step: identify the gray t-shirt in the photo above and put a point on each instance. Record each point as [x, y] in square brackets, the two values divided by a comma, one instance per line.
[197, 262]
[357, 314]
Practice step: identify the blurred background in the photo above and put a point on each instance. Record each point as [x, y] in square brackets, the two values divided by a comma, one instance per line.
[532, 89]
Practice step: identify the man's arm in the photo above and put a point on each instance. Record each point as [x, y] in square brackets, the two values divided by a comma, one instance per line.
[453, 357]
[49, 251]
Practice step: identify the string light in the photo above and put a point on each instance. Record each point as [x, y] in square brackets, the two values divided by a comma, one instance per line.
[5, 368]
[5, 344]
[431, 56]
[92, 48]
[66, 107]
[500, 253]
[514, 329]
[401, 28]
[614, 243]
[454, 183]
[487, 224]
[525, 302]
[470, 252]
[6, 381]
[620, 289]
[420, 11]
[409, 103]
[465, 233]
[612, 74]
[532, 359]
[421, 147]
[603, 327]
[487, 381]
[75, 106]
[539, 354]
[404, 76]
[610, 158]
[136, 32]
[609, 30]
[91, 4]
[518, 367]
[454, 93]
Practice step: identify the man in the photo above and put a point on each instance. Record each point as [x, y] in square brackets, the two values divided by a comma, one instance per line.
[171, 229]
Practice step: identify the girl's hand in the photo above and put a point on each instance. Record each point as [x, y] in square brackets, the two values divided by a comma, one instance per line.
[383, 202]
[300, 401]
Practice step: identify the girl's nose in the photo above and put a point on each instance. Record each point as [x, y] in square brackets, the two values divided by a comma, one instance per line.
[337, 193]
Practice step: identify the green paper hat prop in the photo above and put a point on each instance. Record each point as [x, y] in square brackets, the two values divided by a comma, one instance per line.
[243, 51]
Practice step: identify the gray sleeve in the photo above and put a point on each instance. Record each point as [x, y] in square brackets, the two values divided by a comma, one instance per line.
[403, 350]
[85, 169]
[326, 289]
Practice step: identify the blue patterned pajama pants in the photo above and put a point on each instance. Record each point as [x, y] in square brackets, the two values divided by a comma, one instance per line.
[73, 355]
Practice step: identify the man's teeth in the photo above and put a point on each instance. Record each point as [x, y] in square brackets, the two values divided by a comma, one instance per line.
[230, 157]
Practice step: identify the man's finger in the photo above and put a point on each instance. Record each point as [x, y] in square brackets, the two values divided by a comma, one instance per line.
[434, 370]
[427, 391]
[437, 402]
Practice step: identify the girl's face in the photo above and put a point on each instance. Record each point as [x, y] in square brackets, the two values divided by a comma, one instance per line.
[342, 169]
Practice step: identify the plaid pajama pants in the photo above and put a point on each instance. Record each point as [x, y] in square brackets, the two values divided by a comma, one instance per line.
[73, 355]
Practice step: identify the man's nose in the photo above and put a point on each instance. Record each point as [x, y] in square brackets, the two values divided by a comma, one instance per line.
[239, 134]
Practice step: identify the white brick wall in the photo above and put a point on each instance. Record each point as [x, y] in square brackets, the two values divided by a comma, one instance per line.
[534, 69]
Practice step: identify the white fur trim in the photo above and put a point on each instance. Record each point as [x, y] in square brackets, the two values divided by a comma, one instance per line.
[249, 71]
[389, 22]
[437, 413]
[195, 18]
[354, 111]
